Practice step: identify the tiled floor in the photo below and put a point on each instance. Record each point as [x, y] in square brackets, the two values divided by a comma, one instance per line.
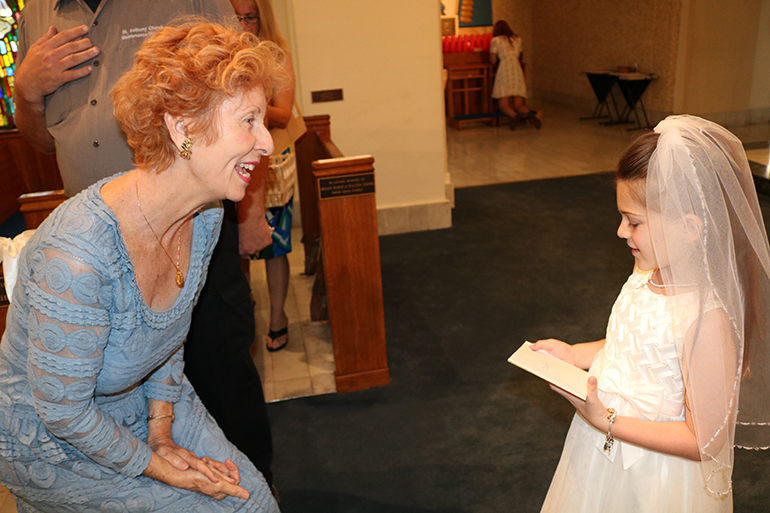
[565, 146]
[306, 365]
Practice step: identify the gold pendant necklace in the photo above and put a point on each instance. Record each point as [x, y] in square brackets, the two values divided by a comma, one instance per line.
[179, 278]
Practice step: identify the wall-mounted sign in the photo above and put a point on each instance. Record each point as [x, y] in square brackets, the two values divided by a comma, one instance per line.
[349, 185]
[330, 95]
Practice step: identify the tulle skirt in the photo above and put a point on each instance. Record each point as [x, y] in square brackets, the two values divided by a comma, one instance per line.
[587, 481]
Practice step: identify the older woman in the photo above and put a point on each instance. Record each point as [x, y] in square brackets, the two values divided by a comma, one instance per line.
[95, 413]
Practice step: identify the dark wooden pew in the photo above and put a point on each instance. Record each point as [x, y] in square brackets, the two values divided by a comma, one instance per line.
[339, 226]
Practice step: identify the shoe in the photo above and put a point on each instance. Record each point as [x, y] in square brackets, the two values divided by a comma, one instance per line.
[532, 116]
[272, 335]
[515, 121]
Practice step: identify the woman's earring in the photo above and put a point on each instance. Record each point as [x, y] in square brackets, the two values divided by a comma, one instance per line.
[184, 151]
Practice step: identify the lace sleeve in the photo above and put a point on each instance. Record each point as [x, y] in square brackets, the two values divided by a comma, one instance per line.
[165, 384]
[68, 331]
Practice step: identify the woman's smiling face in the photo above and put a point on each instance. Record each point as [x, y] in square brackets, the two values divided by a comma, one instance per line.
[224, 166]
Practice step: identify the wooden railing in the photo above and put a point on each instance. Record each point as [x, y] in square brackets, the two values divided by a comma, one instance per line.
[315, 144]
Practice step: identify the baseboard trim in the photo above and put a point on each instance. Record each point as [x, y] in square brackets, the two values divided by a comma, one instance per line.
[414, 218]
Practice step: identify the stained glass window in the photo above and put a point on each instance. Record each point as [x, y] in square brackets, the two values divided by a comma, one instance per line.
[9, 45]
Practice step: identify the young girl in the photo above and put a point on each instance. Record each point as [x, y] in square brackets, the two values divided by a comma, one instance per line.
[510, 87]
[687, 333]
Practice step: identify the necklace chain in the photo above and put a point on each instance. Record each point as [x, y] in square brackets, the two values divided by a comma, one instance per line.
[663, 285]
[179, 278]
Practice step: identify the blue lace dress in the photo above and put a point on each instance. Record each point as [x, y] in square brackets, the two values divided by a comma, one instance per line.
[81, 354]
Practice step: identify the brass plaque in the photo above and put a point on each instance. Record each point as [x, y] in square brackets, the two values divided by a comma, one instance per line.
[350, 185]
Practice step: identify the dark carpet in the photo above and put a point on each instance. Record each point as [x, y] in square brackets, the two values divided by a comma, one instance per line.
[460, 429]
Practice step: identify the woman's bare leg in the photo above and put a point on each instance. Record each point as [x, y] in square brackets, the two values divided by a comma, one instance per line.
[520, 105]
[277, 271]
[505, 106]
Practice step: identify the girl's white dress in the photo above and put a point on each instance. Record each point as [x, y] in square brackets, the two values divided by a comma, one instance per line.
[509, 80]
[640, 375]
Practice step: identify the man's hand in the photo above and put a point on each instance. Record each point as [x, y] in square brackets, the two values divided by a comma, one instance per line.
[47, 66]
[49, 63]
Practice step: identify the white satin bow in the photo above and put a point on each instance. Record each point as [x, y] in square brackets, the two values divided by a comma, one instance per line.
[641, 402]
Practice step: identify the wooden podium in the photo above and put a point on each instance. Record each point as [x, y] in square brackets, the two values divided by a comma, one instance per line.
[351, 263]
[469, 88]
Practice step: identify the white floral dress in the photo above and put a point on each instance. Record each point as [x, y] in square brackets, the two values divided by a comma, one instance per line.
[640, 375]
[509, 80]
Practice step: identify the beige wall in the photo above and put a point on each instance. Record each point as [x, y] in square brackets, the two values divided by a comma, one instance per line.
[760, 84]
[574, 36]
[386, 57]
[709, 56]
[724, 57]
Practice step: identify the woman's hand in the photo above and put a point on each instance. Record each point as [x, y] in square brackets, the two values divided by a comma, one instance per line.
[592, 409]
[253, 231]
[197, 476]
[227, 469]
[182, 459]
[557, 348]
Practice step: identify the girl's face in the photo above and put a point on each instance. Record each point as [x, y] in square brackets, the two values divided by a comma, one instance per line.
[247, 16]
[635, 227]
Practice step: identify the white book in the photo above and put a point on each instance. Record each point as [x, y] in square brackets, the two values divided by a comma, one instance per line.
[544, 365]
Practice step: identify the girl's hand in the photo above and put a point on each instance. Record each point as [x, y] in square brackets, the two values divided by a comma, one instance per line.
[592, 409]
[557, 348]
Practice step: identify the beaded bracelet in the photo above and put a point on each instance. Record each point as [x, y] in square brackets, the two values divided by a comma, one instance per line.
[611, 416]
[150, 417]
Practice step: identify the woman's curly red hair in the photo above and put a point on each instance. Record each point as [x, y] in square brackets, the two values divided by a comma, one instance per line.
[188, 71]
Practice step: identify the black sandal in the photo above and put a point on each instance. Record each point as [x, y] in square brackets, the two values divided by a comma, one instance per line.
[272, 335]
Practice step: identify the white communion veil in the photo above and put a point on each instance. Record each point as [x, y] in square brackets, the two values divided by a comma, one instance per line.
[710, 238]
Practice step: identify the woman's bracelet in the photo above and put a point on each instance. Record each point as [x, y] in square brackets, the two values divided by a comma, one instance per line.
[611, 416]
[171, 416]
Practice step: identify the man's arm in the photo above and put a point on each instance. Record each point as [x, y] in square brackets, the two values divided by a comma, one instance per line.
[46, 66]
